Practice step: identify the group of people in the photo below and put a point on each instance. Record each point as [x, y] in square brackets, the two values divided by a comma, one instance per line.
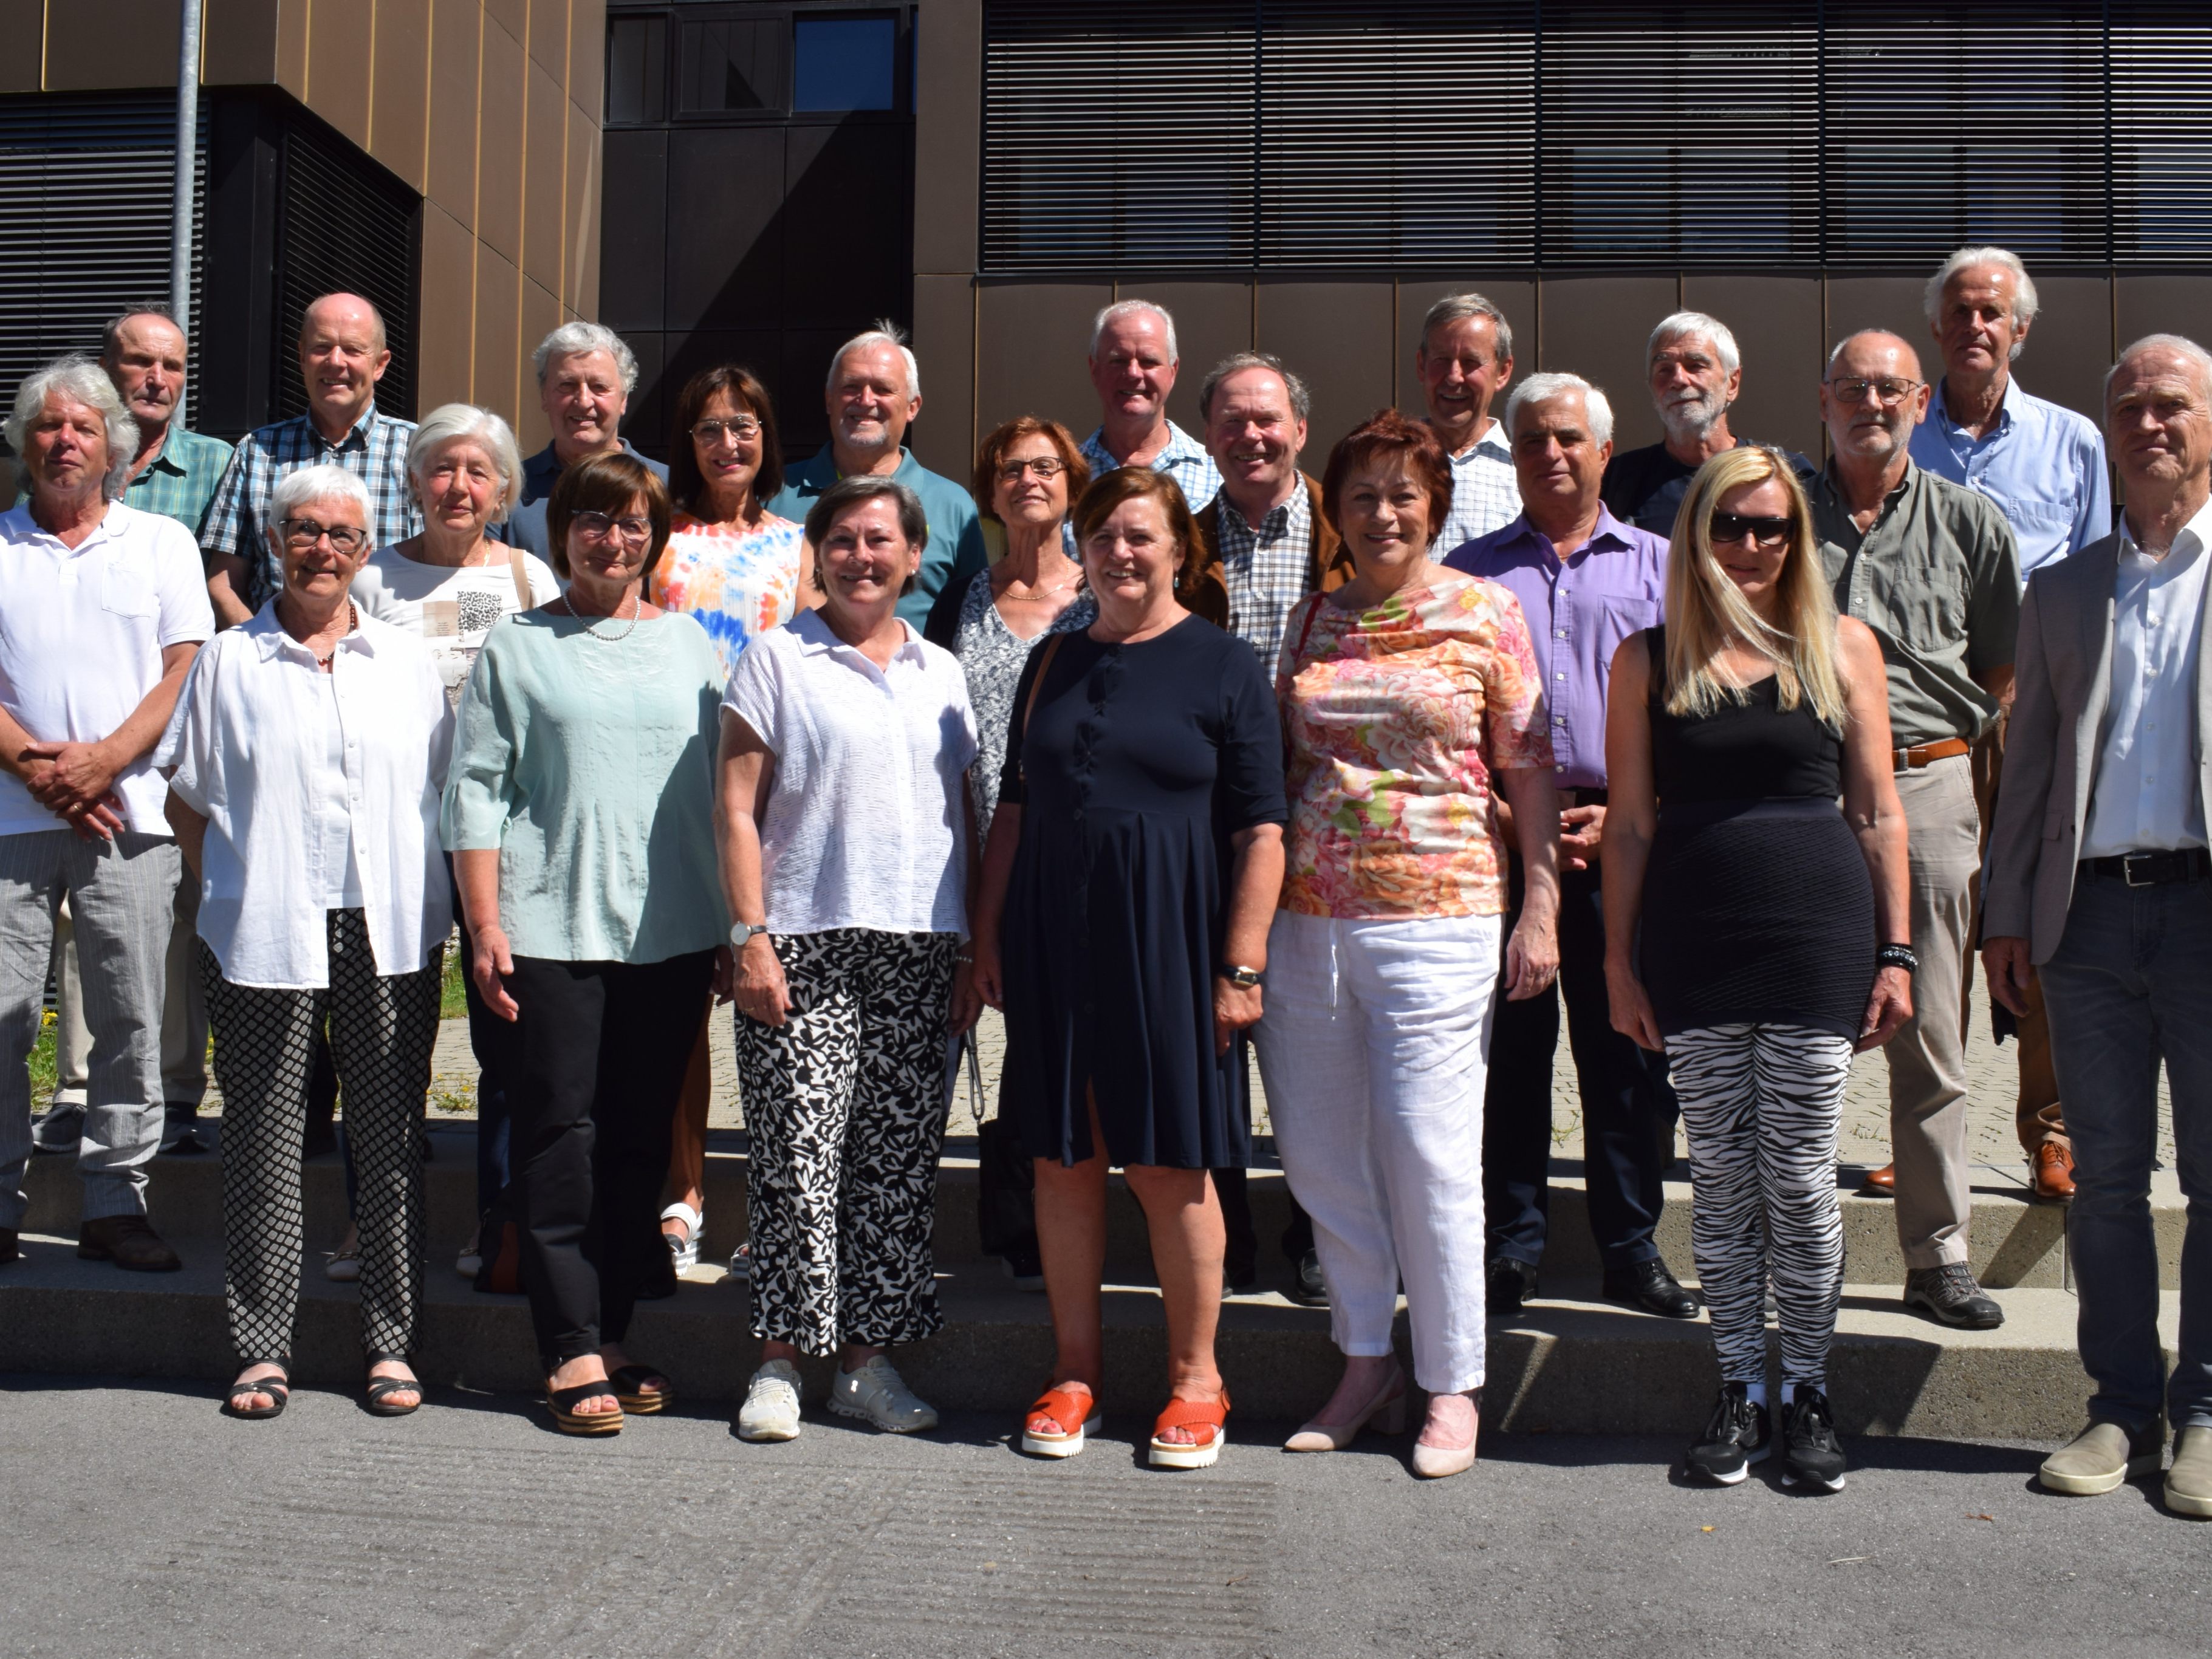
[1169, 750]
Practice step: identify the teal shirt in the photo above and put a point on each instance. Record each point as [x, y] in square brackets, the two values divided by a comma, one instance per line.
[955, 552]
[589, 763]
[179, 482]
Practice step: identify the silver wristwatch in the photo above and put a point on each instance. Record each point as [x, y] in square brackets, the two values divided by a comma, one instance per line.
[742, 935]
[1243, 978]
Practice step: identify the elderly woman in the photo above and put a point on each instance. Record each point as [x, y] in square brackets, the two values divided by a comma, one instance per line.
[1412, 710]
[1132, 864]
[1745, 921]
[305, 761]
[737, 567]
[579, 814]
[844, 833]
[448, 586]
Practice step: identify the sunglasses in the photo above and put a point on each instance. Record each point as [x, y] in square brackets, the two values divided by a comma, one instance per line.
[1730, 528]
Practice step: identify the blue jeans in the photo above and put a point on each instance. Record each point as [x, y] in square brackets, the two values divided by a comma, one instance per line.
[2131, 983]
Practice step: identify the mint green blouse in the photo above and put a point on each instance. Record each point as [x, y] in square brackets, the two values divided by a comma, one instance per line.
[589, 763]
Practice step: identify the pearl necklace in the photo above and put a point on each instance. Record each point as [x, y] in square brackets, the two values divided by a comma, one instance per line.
[637, 609]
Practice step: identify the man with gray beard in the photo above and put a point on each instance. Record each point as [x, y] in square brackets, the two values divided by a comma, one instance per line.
[1695, 373]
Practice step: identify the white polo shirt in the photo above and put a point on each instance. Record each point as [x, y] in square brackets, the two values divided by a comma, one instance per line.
[81, 634]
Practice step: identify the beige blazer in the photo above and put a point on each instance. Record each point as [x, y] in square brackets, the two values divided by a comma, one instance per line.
[2054, 741]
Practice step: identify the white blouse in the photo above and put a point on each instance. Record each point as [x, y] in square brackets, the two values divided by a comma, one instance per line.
[866, 824]
[272, 752]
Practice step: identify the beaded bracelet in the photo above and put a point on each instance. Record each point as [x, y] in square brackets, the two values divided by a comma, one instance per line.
[1897, 956]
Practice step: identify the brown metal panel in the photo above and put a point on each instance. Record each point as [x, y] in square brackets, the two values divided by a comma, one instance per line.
[1212, 320]
[450, 167]
[1338, 337]
[2174, 304]
[948, 134]
[238, 40]
[292, 47]
[1516, 298]
[444, 326]
[541, 315]
[341, 40]
[95, 44]
[1885, 302]
[945, 345]
[549, 37]
[498, 144]
[23, 22]
[581, 210]
[545, 169]
[401, 94]
[1030, 353]
[498, 353]
[513, 16]
[1597, 327]
[588, 56]
[2070, 344]
[1777, 323]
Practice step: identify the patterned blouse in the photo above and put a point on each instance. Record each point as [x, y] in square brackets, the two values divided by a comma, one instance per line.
[993, 655]
[739, 583]
[1396, 719]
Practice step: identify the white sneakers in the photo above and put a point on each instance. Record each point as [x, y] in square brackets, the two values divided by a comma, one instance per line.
[875, 1394]
[686, 1248]
[771, 1408]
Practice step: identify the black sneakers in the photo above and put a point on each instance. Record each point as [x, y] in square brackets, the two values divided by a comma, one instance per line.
[1811, 1456]
[1511, 1284]
[1736, 1437]
[1949, 1293]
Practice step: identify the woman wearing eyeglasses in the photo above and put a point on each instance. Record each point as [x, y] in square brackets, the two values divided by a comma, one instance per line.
[1745, 916]
[579, 813]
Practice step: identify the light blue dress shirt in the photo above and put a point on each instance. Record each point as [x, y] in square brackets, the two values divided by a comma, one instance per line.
[2043, 465]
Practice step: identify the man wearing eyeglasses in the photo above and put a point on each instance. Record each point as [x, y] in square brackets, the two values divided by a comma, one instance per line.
[585, 374]
[1931, 568]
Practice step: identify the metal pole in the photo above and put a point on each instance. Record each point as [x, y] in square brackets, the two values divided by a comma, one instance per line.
[180, 207]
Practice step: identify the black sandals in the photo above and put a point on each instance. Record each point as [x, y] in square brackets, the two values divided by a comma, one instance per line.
[277, 1386]
[563, 1403]
[628, 1387]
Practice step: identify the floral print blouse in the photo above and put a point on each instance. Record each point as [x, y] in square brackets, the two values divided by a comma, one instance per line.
[739, 583]
[1396, 719]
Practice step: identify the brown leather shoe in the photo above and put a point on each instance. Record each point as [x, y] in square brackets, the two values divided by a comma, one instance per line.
[2052, 1173]
[1880, 1183]
[128, 1241]
[9, 1250]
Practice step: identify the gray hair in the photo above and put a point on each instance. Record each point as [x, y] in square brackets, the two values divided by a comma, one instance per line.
[327, 482]
[450, 421]
[1454, 307]
[1542, 388]
[1236, 363]
[575, 339]
[886, 332]
[1121, 308]
[1695, 325]
[1837, 350]
[110, 340]
[82, 380]
[2180, 345]
[2025, 304]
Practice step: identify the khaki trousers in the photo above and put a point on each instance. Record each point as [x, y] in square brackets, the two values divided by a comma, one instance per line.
[2036, 1114]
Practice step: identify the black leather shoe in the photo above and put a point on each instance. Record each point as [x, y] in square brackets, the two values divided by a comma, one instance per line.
[1308, 1288]
[1511, 1284]
[1649, 1286]
[1950, 1294]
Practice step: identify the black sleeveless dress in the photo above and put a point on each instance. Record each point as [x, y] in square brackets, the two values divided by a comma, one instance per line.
[1758, 907]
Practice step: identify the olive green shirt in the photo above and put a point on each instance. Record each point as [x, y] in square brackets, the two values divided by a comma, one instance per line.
[1937, 577]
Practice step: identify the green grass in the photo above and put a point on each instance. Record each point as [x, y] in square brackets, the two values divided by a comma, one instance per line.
[43, 1067]
[453, 1004]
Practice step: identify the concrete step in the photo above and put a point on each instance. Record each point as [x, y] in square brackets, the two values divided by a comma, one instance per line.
[2015, 1244]
[1569, 1364]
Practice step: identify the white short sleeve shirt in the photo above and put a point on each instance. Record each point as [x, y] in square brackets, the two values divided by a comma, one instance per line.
[451, 608]
[866, 824]
[81, 634]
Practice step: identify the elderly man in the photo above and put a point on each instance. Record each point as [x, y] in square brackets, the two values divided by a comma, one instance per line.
[1133, 368]
[2044, 468]
[584, 376]
[1695, 373]
[874, 394]
[102, 609]
[2100, 880]
[343, 356]
[1585, 582]
[1464, 361]
[1930, 567]
[175, 471]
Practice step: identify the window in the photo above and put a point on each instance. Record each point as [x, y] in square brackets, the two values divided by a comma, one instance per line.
[844, 62]
[732, 66]
[637, 70]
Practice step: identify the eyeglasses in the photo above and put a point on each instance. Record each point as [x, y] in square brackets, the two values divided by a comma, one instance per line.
[1770, 533]
[1044, 466]
[744, 429]
[599, 526]
[343, 538]
[1891, 391]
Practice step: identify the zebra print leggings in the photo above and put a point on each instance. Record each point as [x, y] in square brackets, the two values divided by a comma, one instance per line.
[1760, 1105]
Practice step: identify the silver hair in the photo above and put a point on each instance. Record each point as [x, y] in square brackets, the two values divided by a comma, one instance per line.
[110, 337]
[328, 482]
[450, 421]
[1236, 363]
[1695, 325]
[1121, 308]
[575, 339]
[1542, 388]
[2025, 304]
[82, 380]
[886, 332]
[1453, 307]
[2180, 345]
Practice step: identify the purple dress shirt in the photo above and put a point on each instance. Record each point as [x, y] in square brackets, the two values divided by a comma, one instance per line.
[1578, 613]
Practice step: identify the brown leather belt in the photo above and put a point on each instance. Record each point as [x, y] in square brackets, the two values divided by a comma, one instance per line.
[1912, 760]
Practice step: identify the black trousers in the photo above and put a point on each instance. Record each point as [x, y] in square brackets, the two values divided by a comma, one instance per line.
[1628, 1105]
[593, 1068]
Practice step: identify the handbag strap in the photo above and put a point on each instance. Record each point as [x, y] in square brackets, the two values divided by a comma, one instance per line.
[1044, 667]
[518, 568]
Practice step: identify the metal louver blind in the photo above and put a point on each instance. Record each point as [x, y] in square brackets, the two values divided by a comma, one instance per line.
[341, 230]
[2161, 136]
[85, 191]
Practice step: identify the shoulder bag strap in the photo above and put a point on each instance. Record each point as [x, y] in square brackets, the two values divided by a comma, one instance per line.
[518, 567]
[1044, 667]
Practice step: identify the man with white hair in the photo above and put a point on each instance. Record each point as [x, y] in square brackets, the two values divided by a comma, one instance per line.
[874, 394]
[2100, 880]
[1696, 374]
[102, 609]
[585, 374]
[1463, 361]
[1585, 582]
[1132, 368]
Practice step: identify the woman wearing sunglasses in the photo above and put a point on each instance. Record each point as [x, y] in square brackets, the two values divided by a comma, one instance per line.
[1747, 922]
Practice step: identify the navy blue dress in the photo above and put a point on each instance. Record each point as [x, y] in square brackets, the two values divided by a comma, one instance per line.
[1140, 762]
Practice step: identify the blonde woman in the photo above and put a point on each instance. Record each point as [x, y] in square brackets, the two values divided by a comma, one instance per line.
[1754, 930]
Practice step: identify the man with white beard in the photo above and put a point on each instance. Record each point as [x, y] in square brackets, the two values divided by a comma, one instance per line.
[1694, 374]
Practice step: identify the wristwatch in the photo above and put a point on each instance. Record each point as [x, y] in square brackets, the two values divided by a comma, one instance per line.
[1243, 978]
[742, 935]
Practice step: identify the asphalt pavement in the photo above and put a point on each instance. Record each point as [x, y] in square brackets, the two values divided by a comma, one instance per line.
[142, 1522]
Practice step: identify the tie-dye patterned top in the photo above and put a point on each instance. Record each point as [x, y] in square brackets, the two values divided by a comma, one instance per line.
[739, 583]
[1396, 719]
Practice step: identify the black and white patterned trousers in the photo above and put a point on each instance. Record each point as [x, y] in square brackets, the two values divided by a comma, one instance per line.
[845, 1106]
[1760, 1105]
[382, 1028]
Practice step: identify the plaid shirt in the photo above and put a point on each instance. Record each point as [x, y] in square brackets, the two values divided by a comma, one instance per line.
[375, 451]
[1184, 459]
[1485, 494]
[181, 481]
[1266, 570]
